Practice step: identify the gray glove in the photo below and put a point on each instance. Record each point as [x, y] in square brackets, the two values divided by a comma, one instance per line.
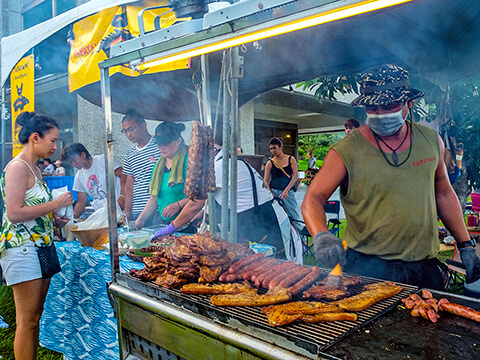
[328, 249]
[472, 263]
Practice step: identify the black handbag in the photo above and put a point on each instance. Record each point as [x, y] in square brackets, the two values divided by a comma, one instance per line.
[47, 255]
[48, 258]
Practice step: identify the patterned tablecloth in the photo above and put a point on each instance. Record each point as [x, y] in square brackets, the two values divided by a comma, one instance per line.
[78, 319]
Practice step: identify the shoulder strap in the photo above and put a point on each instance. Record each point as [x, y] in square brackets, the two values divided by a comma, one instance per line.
[254, 184]
[24, 163]
[277, 165]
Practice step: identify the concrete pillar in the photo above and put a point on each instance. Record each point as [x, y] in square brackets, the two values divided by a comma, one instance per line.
[91, 130]
[247, 127]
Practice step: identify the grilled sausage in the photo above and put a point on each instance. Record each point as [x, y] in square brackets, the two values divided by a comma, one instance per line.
[223, 276]
[285, 266]
[306, 281]
[261, 276]
[248, 268]
[283, 275]
[292, 278]
[265, 263]
[460, 310]
[231, 277]
[235, 267]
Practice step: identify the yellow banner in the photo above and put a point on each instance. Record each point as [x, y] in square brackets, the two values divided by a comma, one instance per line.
[95, 35]
[22, 95]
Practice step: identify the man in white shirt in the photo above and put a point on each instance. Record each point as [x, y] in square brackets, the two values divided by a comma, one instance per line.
[91, 176]
[60, 170]
[138, 164]
[254, 221]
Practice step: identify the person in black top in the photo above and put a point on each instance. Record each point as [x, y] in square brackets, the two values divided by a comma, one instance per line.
[281, 174]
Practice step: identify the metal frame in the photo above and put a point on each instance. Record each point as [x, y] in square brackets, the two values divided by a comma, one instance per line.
[155, 44]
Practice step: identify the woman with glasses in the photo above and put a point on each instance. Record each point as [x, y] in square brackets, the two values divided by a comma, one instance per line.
[168, 176]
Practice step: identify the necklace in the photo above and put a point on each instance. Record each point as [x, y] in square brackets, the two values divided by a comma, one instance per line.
[394, 151]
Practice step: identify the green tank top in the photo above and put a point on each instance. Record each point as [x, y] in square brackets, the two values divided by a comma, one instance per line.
[391, 211]
[170, 195]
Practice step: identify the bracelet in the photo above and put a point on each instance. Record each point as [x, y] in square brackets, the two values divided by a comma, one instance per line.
[179, 205]
[121, 195]
[461, 245]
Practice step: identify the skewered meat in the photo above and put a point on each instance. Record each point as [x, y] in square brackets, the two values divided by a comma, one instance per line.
[216, 288]
[372, 294]
[274, 296]
[306, 281]
[200, 177]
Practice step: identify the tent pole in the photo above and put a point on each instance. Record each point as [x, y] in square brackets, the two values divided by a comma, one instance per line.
[225, 146]
[207, 116]
[111, 196]
[236, 73]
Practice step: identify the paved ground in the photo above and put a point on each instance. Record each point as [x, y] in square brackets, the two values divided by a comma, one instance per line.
[300, 194]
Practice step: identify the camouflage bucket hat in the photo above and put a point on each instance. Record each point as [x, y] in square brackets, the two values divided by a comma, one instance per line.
[384, 85]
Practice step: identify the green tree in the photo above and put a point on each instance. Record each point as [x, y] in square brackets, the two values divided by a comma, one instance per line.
[317, 143]
[465, 105]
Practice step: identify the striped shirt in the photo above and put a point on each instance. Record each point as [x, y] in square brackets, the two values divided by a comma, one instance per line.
[139, 163]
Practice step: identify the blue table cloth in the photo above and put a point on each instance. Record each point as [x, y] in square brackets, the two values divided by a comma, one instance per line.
[78, 319]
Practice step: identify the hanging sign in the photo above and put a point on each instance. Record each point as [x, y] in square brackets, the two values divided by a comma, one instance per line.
[94, 35]
[22, 95]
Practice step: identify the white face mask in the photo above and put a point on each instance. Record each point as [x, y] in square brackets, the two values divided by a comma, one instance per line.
[385, 124]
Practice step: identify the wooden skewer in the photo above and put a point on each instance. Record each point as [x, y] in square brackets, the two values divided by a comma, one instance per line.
[262, 239]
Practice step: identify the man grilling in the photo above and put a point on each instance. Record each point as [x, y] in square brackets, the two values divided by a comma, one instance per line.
[393, 184]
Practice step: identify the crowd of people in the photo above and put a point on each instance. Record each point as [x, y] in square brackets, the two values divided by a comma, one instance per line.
[380, 168]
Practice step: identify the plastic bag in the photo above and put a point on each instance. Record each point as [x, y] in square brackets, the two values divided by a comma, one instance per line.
[99, 218]
[63, 212]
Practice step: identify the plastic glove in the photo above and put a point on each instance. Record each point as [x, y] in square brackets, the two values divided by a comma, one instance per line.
[167, 230]
[472, 289]
[472, 263]
[328, 249]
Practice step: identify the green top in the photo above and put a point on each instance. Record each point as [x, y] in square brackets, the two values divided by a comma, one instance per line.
[391, 211]
[170, 194]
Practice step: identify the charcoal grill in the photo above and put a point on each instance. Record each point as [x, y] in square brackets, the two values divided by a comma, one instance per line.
[250, 332]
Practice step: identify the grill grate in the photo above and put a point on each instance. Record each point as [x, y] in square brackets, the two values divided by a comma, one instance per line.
[311, 337]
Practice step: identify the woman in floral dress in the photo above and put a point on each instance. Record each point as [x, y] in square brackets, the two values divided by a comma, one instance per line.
[27, 225]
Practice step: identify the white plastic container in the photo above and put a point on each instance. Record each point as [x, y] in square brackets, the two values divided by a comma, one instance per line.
[135, 239]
